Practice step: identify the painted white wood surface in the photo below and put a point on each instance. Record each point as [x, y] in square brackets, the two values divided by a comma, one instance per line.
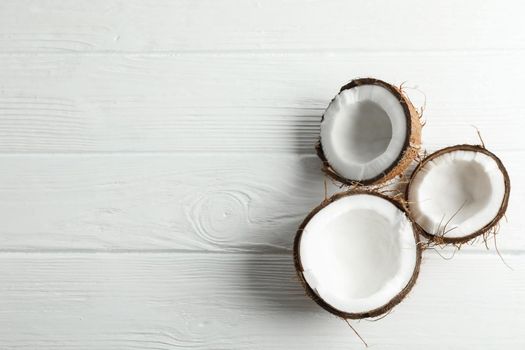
[232, 25]
[156, 158]
[242, 102]
[243, 301]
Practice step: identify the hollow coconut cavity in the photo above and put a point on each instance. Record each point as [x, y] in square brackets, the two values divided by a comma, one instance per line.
[370, 132]
[458, 193]
[357, 254]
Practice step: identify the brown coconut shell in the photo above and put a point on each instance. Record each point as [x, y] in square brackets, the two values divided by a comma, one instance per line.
[309, 291]
[411, 145]
[440, 239]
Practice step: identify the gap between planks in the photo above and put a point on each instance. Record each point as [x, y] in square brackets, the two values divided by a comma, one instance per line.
[267, 52]
[447, 252]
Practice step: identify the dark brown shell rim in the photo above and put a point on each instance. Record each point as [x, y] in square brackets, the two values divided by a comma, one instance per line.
[402, 100]
[309, 291]
[486, 228]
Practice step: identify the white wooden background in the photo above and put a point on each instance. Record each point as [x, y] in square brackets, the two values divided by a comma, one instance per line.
[156, 158]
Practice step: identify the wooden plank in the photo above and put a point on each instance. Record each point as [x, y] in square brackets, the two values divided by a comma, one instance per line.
[101, 103]
[115, 26]
[240, 301]
[219, 202]
[215, 201]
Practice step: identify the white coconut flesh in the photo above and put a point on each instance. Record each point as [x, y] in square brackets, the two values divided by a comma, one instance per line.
[363, 132]
[358, 253]
[456, 193]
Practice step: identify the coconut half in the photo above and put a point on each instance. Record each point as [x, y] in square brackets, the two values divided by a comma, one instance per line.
[357, 254]
[370, 132]
[458, 193]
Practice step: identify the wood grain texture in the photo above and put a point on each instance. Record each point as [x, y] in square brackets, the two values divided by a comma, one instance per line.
[219, 202]
[157, 157]
[232, 102]
[243, 301]
[213, 202]
[204, 25]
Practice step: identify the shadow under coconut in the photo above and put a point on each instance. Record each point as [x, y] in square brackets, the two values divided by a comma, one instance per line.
[272, 284]
[305, 129]
[271, 279]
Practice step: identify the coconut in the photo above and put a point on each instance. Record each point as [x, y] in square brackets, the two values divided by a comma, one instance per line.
[370, 133]
[458, 193]
[357, 254]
